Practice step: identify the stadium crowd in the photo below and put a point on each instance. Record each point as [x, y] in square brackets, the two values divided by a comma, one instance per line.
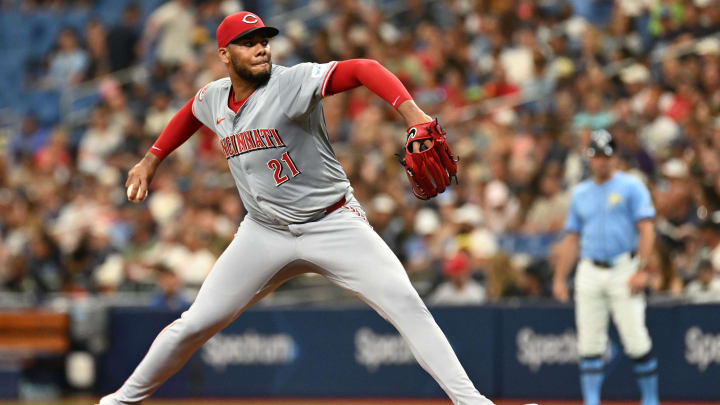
[519, 85]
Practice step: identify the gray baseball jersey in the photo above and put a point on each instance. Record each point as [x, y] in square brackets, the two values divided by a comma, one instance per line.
[277, 145]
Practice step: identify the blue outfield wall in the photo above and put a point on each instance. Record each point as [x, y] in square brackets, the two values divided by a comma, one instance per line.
[508, 351]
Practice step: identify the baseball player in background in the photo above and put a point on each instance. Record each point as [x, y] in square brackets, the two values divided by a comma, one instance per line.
[269, 120]
[611, 223]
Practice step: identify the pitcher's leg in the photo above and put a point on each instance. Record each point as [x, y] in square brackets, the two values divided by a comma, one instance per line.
[248, 264]
[356, 258]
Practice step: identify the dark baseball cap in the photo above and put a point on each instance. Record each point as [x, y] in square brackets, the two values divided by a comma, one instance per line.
[240, 24]
[601, 143]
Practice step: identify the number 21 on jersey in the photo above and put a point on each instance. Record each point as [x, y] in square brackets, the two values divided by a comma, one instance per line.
[277, 168]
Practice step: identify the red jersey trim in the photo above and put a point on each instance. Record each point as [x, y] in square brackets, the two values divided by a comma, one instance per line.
[327, 78]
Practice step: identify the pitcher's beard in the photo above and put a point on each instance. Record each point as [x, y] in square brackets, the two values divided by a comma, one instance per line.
[258, 79]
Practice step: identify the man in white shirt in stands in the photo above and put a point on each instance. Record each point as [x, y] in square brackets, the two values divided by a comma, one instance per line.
[706, 286]
[460, 288]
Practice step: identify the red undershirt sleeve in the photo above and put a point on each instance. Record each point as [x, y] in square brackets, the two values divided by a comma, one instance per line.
[180, 128]
[352, 73]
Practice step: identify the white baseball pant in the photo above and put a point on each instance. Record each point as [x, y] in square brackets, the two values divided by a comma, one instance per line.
[601, 292]
[349, 254]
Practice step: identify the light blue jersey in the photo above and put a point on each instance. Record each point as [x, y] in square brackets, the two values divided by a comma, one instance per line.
[605, 215]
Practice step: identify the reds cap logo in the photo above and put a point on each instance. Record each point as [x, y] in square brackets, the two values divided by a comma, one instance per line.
[250, 19]
[240, 24]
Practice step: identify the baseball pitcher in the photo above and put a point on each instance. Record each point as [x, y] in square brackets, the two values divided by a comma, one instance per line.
[270, 124]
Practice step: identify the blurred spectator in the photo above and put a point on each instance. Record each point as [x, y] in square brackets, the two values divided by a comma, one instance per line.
[123, 38]
[498, 85]
[29, 138]
[386, 222]
[421, 250]
[118, 111]
[44, 263]
[594, 114]
[548, 211]
[632, 150]
[69, 63]
[416, 12]
[665, 20]
[159, 114]
[517, 61]
[99, 142]
[166, 202]
[706, 287]
[171, 26]
[460, 288]
[710, 239]
[96, 37]
[168, 294]
[500, 207]
[676, 209]
[473, 235]
[91, 252]
[54, 155]
[186, 254]
[501, 278]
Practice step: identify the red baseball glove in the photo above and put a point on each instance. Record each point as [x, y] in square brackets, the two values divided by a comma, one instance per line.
[430, 169]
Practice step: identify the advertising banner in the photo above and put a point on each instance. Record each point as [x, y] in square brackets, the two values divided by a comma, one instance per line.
[331, 353]
[527, 351]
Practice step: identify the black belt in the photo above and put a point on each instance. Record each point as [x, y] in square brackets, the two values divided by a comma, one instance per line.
[606, 264]
[602, 263]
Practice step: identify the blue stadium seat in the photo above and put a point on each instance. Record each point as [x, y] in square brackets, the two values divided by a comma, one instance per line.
[12, 72]
[76, 18]
[14, 31]
[110, 11]
[45, 105]
[44, 27]
[536, 246]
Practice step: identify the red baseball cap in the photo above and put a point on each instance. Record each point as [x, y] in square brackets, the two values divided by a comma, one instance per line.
[457, 264]
[240, 24]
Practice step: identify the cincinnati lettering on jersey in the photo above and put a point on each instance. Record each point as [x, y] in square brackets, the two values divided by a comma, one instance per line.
[248, 141]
